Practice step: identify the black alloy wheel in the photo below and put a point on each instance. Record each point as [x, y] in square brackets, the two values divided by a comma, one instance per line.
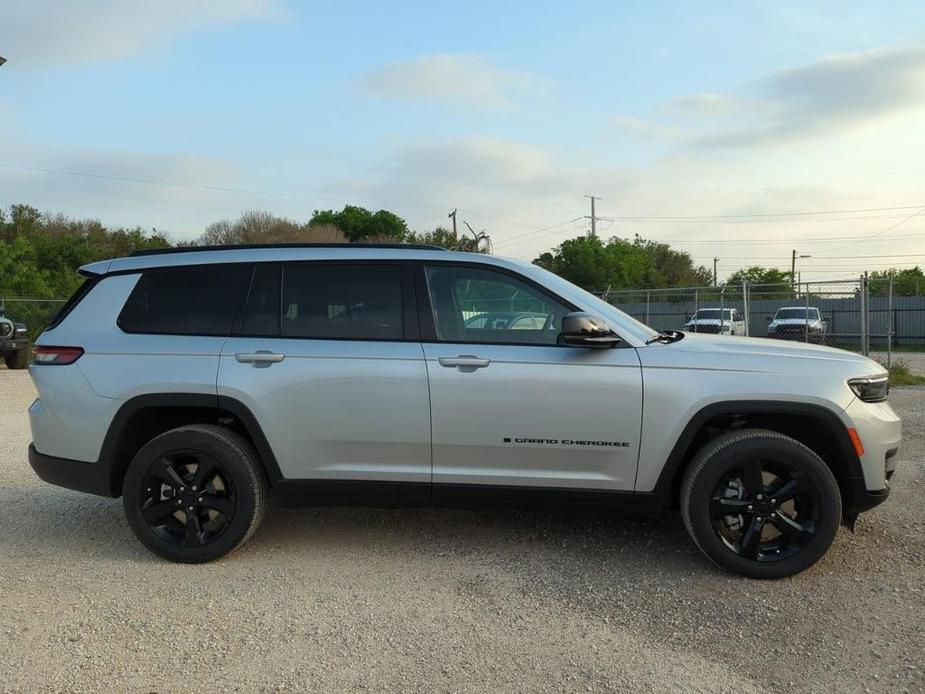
[760, 503]
[187, 498]
[194, 493]
[765, 509]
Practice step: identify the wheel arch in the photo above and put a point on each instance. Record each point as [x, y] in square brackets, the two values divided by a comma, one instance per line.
[815, 426]
[143, 417]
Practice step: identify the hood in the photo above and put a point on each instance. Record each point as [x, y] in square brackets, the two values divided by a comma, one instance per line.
[760, 353]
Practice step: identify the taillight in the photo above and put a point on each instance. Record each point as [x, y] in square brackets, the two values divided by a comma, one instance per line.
[56, 355]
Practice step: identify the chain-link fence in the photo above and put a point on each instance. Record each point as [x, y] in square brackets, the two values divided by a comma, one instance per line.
[857, 314]
[35, 314]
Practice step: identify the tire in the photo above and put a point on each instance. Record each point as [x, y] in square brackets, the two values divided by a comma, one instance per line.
[775, 537]
[203, 467]
[17, 360]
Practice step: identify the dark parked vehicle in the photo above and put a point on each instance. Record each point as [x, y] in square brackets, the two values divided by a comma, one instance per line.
[14, 345]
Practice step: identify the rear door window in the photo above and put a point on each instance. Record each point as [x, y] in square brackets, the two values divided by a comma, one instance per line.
[342, 301]
[198, 300]
[262, 309]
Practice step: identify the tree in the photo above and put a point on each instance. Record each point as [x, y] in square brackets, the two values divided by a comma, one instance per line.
[445, 239]
[619, 263]
[253, 226]
[906, 282]
[359, 224]
[766, 283]
[40, 253]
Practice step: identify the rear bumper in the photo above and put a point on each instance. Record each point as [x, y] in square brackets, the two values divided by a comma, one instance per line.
[92, 478]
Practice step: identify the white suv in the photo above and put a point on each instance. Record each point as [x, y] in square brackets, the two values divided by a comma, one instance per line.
[195, 383]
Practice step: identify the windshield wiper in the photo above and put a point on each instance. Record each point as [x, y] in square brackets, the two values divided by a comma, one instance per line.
[666, 336]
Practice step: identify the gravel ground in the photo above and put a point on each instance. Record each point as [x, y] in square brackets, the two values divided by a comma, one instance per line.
[336, 599]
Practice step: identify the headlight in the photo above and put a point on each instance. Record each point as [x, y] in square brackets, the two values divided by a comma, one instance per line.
[873, 389]
[20, 328]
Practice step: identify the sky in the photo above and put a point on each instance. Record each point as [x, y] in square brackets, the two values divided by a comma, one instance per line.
[733, 130]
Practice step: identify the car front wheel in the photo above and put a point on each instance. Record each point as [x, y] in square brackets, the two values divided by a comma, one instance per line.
[194, 493]
[760, 504]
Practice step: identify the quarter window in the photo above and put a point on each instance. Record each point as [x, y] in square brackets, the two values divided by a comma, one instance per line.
[340, 301]
[199, 300]
[479, 305]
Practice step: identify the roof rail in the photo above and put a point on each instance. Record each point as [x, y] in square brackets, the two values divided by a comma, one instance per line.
[251, 246]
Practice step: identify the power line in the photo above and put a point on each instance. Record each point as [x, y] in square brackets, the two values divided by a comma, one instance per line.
[212, 188]
[818, 239]
[817, 257]
[531, 233]
[764, 214]
[889, 228]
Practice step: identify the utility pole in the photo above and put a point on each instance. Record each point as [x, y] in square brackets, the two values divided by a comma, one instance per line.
[715, 260]
[593, 217]
[793, 266]
[452, 215]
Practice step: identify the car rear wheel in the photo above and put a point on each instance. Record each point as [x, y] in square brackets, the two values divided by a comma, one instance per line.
[17, 360]
[760, 504]
[194, 493]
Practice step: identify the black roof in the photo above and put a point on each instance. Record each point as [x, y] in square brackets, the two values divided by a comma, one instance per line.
[251, 246]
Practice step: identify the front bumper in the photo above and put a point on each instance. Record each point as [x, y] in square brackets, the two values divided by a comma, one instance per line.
[92, 478]
[865, 500]
[880, 431]
[12, 344]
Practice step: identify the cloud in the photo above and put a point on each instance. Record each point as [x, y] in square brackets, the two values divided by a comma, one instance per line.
[39, 33]
[506, 187]
[121, 186]
[838, 93]
[455, 78]
[832, 96]
[703, 104]
[646, 129]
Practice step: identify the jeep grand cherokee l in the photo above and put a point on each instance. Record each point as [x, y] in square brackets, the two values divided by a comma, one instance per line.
[195, 383]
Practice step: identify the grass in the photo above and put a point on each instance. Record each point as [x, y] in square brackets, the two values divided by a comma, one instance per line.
[900, 375]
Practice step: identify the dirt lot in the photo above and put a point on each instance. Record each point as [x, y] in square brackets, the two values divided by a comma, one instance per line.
[339, 599]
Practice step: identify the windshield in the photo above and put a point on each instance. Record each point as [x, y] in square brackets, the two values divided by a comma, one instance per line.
[801, 313]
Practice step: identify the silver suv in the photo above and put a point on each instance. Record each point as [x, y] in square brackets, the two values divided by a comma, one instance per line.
[196, 383]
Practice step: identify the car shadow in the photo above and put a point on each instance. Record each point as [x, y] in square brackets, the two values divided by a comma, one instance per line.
[556, 544]
[57, 522]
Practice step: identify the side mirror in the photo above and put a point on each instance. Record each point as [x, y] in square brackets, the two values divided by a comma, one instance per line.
[770, 318]
[586, 330]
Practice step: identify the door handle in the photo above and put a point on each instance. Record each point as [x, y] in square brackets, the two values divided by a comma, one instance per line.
[464, 362]
[261, 357]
